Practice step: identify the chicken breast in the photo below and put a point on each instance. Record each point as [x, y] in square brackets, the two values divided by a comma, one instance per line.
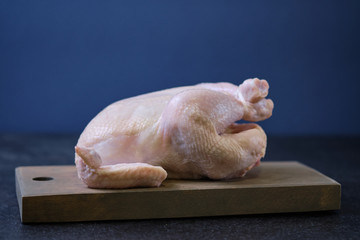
[185, 132]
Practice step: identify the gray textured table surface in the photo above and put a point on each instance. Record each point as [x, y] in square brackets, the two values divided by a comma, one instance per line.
[336, 157]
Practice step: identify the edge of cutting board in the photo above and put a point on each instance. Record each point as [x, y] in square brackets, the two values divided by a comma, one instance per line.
[273, 187]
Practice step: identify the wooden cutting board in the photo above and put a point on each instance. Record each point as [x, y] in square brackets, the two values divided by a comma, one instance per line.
[55, 194]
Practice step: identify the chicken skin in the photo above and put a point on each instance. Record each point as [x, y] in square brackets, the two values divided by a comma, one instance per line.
[185, 132]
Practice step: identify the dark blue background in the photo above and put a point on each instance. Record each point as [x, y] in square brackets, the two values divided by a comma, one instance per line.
[61, 62]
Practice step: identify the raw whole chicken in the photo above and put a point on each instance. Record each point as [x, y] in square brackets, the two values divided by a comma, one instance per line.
[185, 132]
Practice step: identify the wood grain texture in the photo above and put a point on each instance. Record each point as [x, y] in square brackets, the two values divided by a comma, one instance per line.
[273, 187]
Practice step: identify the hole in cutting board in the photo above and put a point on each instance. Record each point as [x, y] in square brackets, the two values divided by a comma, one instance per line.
[43, 178]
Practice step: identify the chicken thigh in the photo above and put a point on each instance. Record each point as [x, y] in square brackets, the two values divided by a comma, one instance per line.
[185, 132]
